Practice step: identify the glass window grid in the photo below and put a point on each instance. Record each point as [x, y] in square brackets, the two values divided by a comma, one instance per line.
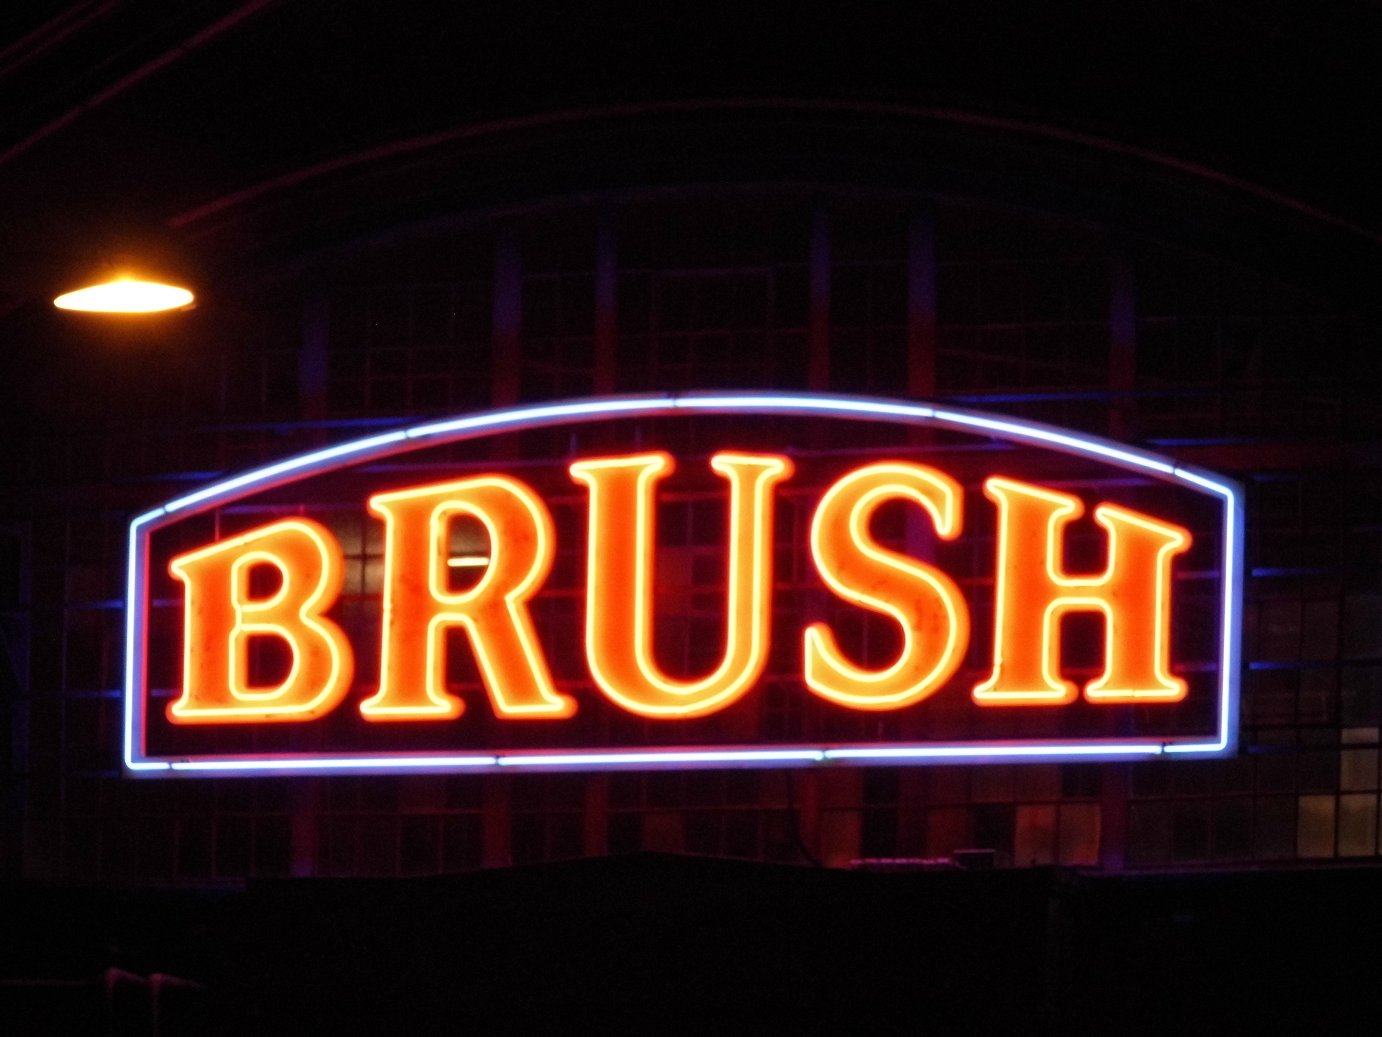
[1320, 673]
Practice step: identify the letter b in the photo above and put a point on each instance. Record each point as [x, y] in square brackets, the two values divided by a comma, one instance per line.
[222, 615]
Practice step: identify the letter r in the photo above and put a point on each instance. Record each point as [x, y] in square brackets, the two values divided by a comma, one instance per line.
[419, 606]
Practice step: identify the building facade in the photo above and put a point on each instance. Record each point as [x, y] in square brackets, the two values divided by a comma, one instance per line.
[845, 249]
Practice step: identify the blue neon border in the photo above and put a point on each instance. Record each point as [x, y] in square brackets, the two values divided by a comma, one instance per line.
[596, 409]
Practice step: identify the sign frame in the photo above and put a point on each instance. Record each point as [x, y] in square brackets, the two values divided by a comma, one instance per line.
[597, 409]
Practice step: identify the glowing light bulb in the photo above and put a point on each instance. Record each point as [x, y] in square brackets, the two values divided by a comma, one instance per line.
[125, 295]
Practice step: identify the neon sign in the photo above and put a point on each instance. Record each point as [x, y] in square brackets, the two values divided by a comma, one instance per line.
[903, 598]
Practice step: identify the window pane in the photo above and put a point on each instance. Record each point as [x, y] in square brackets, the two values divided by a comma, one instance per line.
[1357, 826]
[1079, 833]
[1358, 770]
[1149, 833]
[1036, 835]
[1315, 826]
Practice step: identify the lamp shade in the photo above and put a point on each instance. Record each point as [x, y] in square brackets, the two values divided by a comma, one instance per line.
[126, 295]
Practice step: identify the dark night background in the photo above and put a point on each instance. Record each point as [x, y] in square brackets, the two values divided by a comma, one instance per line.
[290, 156]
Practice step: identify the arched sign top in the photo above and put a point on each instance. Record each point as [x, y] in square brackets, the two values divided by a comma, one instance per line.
[1052, 597]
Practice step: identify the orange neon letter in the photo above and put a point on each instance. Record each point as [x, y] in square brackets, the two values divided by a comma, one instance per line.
[923, 600]
[1033, 592]
[418, 606]
[222, 615]
[619, 611]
